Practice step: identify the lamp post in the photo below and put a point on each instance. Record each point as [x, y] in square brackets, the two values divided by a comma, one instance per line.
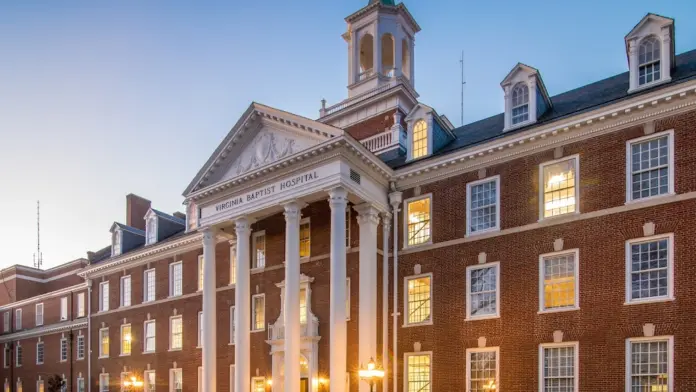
[371, 374]
[132, 385]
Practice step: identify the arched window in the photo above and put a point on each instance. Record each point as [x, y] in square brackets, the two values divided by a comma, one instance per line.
[366, 55]
[388, 55]
[649, 61]
[116, 243]
[520, 103]
[405, 59]
[420, 139]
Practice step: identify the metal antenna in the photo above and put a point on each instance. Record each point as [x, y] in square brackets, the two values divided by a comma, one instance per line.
[461, 63]
[38, 257]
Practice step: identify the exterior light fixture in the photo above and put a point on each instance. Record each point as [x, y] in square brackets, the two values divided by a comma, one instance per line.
[371, 374]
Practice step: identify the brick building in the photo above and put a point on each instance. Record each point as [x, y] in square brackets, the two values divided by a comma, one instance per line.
[545, 248]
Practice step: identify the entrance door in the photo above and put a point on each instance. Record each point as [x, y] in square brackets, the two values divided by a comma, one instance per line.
[304, 386]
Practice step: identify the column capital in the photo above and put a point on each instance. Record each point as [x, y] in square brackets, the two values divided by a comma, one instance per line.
[386, 221]
[209, 233]
[395, 199]
[293, 209]
[242, 226]
[367, 214]
[338, 197]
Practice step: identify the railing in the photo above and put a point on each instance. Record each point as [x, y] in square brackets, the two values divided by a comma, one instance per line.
[389, 72]
[384, 140]
[277, 332]
[347, 102]
[365, 74]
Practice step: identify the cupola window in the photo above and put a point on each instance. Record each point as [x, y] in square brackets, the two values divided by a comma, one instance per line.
[649, 61]
[520, 104]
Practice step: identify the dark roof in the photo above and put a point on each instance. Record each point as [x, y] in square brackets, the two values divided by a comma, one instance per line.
[100, 255]
[169, 217]
[130, 229]
[579, 100]
[103, 255]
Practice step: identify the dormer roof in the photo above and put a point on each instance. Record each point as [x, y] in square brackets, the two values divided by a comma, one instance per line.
[643, 28]
[126, 228]
[164, 215]
[528, 71]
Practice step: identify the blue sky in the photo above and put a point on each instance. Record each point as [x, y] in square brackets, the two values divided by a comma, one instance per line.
[101, 99]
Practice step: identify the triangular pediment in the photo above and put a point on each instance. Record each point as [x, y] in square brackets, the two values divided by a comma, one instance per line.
[519, 70]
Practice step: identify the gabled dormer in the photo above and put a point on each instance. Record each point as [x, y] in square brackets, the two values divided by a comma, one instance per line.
[526, 98]
[427, 132]
[650, 51]
[159, 226]
[125, 238]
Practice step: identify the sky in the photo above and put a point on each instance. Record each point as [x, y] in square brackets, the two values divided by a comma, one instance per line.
[102, 99]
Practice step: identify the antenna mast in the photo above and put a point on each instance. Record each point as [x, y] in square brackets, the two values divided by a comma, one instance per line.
[461, 63]
[38, 257]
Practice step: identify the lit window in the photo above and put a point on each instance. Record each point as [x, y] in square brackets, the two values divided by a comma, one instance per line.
[18, 355]
[482, 369]
[39, 314]
[649, 61]
[559, 277]
[520, 103]
[560, 187]
[126, 339]
[305, 238]
[418, 372]
[7, 386]
[559, 370]
[40, 386]
[483, 198]
[258, 384]
[80, 384]
[104, 382]
[233, 264]
[258, 259]
[418, 304]
[39, 353]
[420, 139]
[418, 212]
[63, 350]
[649, 268]
[150, 332]
[104, 343]
[80, 347]
[149, 286]
[175, 279]
[650, 166]
[81, 305]
[176, 333]
[303, 306]
[651, 364]
[200, 272]
[483, 295]
[176, 382]
[233, 324]
[151, 230]
[103, 296]
[200, 329]
[149, 380]
[125, 291]
[18, 319]
[259, 312]
[19, 385]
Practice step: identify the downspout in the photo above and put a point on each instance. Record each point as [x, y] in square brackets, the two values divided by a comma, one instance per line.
[386, 223]
[89, 335]
[395, 200]
[72, 334]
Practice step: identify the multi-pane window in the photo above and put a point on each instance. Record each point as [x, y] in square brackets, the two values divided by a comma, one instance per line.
[149, 286]
[420, 139]
[418, 372]
[649, 268]
[175, 279]
[80, 347]
[258, 384]
[559, 187]
[258, 258]
[6, 356]
[104, 382]
[149, 333]
[19, 385]
[200, 329]
[305, 238]
[126, 339]
[258, 321]
[483, 294]
[40, 386]
[63, 308]
[418, 222]
[6, 321]
[650, 367]
[649, 61]
[63, 350]
[233, 324]
[116, 243]
[149, 381]
[18, 355]
[103, 296]
[151, 230]
[233, 264]
[559, 367]
[39, 353]
[483, 205]
[200, 272]
[650, 166]
[303, 306]
[176, 381]
[80, 384]
[39, 314]
[125, 291]
[520, 104]
[559, 277]
[418, 291]
[176, 333]
[482, 369]
[104, 343]
[81, 305]
[18, 319]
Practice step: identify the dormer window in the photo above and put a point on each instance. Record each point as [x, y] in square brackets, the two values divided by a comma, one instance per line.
[116, 243]
[420, 139]
[151, 230]
[520, 103]
[650, 50]
[526, 98]
[649, 61]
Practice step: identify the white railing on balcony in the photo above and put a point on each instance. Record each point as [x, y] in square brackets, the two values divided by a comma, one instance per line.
[347, 102]
[277, 331]
[389, 72]
[365, 74]
[384, 140]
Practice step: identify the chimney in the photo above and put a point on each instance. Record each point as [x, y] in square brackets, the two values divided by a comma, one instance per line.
[136, 208]
[180, 215]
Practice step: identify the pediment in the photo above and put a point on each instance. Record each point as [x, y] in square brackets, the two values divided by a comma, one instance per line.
[650, 24]
[520, 72]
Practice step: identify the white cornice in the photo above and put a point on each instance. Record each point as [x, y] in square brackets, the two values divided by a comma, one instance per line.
[45, 330]
[41, 297]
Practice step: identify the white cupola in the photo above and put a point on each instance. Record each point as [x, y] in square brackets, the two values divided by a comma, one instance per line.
[650, 51]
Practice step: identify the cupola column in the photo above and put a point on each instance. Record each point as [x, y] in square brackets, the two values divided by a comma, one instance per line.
[338, 201]
[242, 304]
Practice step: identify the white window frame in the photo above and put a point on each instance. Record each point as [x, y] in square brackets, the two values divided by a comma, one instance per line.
[104, 302]
[19, 354]
[40, 386]
[200, 379]
[200, 329]
[253, 312]
[172, 284]
[469, 351]
[146, 290]
[151, 228]
[19, 385]
[670, 162]
[116, 238]
[171, 334]
[80, 384]
[63, 308]
[428, 275]
[122, 338]
[233, 324]
[417, 354]
[254, 261]
[670, 269]
[306, 221]
[43, 353]
[18, 319]
[80, 304]
[472, 184]
[640, 43]
[405, 223]
[123, 295]
[542, 296]
[171, 379]
[576, 362]
[39, 315]
[231, 378]
[63, 341]
[6, 356]
[103, 382]
[101, 351]
[80, 338]
[146, 384]
[145, 337]
[6, 321]
[471, 268]
[576, 158]
[233, 265]
[199, 273]
[254, 380]
[528, 104]
[670, 358]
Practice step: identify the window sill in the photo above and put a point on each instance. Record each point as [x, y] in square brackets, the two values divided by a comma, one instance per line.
[649, 301]
[38, 363]
[649, 85]
[423, 324]
[103, 357]
[257, 330]
[649, 198]
[230, 344]
[148, 352]
[124, 355]
[79, 359]
[487, 317]
[519, 125]
[560, 216]
[416, 246]
[482, 232]
[174, 349]
[559, 310]
[174, 296]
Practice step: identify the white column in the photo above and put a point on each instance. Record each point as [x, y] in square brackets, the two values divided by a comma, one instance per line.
[508, 106]
[532, 85]
[368, 219]
[398, 52]
[386, 229]
[242, 304]
[633, 64]
[209, 313]
[337, 313]
[291, 310]
[666, 55]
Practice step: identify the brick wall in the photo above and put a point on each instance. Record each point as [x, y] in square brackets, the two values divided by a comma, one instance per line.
[374, 125]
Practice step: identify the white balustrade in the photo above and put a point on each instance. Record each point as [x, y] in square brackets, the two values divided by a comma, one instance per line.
[384, 140]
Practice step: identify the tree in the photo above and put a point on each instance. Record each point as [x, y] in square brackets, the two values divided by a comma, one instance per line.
[56, 383]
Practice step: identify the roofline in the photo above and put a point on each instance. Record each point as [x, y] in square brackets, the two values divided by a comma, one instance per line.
[40, 297]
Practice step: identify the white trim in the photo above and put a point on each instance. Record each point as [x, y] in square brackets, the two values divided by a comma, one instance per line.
[306, 221]
[145, 323]
[428, 275]
[101, 352]
[145, 377]
[18, 319]
[670, 359]
[44, 296]
[104, 306]
[67, 351]
[253, 312]
[171, 334]
[199, 274]
[542, 297]
[78, 381]
[79, 357]
[576, 362]
[348, 304]
[116, 251]
[670, 269]
[232, 378]
[670, 162]
[43, 346]
[81, 305]
[233, 323]
[200, 379]
[17, 351]
[40, 386]
[498, 210]
[199, 324]
[145, 285]
[469, 351]
[121, 339]
[38, 322]
[38, 280]
[470, 268]
[64, 309]
[122, 297]
[542, 208]
[104, 377]
[416, 354]
[254, 236]
[171, 379]
[406, 202]
[44, 330]
[152, 220]
[171, 278]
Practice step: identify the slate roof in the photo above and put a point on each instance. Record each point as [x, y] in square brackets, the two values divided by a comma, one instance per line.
[169, 217]
[579, 100]
[130, 229]
[104, 254]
